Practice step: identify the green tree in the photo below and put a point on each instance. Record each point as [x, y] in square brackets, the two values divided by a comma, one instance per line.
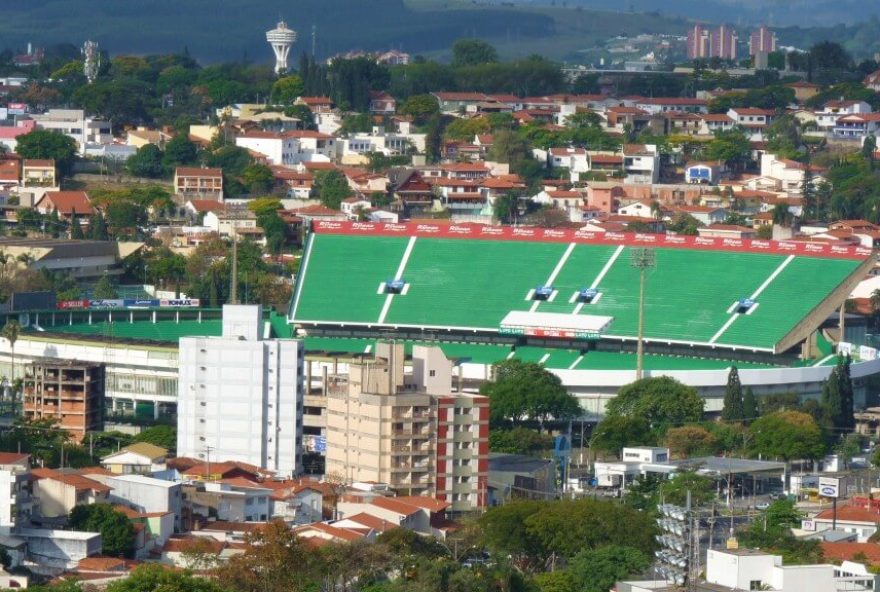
[179, 151]
[472, 52]
[675, 490]
[615, 432]
[265, 565]
[104, 289]
[11, 331]
[750, 405]
[505, 207]
[789, 435]
[420, 108]
[124, 217]
[45, 144]
[257, 178]
[98, 227]
[287, 89]
[527, 389]
[332, 188]
[663, 402]
[161, 435]
[151, 577]
[733, 398]
[146, 162]
[519, 440]
[731, 146]
[686, 441]
[597, 570]
[117, 533]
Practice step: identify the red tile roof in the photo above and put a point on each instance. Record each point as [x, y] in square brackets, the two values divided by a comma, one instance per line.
[66, 202]
[847, 551]
[428, 503]
[9, 458]
[336, 532]
[372, 522]
[207, 205]
[851, 514]
[395, 505]
[78, 482]
[197, 172]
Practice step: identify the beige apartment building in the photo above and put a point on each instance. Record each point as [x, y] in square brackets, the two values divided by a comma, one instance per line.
[409, 431]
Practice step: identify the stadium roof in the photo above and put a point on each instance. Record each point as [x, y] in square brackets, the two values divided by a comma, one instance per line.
[466, 279]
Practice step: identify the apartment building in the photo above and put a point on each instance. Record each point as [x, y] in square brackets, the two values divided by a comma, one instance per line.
[69, 391]
[74, 123]
[410, 431]
[199, 183]
[240, 397]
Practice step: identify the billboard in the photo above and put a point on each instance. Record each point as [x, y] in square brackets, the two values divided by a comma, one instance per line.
[180, 302]
[834, 487]
[107, 303]
[144, 303]
[73, 304]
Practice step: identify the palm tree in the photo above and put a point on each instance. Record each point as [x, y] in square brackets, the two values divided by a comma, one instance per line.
[10, 333]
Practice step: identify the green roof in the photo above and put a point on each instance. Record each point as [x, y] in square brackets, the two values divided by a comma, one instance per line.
[472, 284]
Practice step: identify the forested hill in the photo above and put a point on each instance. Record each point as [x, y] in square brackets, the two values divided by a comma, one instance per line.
[215, 30]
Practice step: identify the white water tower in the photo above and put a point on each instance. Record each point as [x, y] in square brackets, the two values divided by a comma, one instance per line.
[281, 38]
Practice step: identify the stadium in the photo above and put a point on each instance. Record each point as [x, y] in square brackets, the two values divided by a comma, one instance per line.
[570, 300]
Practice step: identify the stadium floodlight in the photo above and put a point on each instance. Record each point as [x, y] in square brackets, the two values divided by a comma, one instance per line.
[641, 259]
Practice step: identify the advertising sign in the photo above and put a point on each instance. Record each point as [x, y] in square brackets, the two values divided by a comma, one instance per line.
[107, 303]
[831, 486]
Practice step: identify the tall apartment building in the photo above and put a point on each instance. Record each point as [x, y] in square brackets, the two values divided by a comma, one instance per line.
[762, 40]
[703, 44]
[74, 123]
[69, 391]
[410, 431]
[724, 42]
[698, 43]
[240, 396]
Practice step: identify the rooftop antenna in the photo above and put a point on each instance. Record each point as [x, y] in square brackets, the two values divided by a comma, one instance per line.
[641, 259]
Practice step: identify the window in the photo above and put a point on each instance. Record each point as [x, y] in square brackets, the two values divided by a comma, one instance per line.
[432, 373]
[755, 585]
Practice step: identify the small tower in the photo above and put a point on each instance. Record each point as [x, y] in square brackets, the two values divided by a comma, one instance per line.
[281, 38]
[91, 60]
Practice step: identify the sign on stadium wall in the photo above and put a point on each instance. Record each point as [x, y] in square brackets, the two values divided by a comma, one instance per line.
[485, 232]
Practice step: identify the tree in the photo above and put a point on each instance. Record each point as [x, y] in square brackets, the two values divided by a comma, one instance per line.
[675, 490]
[125, 216]
[663, 402]
[104, 289]
[151, 577]
[750, 405]
[179, 151]
[117, 533]
[505, 208]
[847, 396]
[731, 146]
[472, 52]
[257, 178]
[519, 440]
[789, 435]
[686, 441]
[287, 89]
[98, 227]
[733, 398]
[598, 570]
[420, 108]
[332, 188]
[146, 162]
[161, 435]
[45, 144]
[11, 331]
[527, 389]
[266, 563]
[615, 432]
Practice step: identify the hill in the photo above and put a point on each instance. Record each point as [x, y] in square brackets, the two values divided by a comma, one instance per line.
[235, 29]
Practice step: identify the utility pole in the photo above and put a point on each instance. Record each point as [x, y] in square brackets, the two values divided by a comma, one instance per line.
[314, 39]
[641, 259]
[208, 450]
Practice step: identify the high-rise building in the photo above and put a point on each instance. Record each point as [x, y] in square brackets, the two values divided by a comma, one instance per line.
[240, 396]
[724, 42]
[68, 391]
[762, 40]
[409, 431]
[698, 43]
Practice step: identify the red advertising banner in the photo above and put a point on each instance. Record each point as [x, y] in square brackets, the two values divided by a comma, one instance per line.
[631, 239]
[73, 304]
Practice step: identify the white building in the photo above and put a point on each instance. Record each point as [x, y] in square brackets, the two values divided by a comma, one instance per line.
[382, 141]
[14, 478]
[292, 147]
[240, 396]
[641, 162]
[74, 123]
[144, 494]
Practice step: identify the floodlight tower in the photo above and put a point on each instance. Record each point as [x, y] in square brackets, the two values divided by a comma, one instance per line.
[642, 259]
[281, 38]
[91, 60]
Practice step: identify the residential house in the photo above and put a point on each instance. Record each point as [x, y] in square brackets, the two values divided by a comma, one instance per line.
[641, 163]
[682, 123]
[235, 500]
[230, 221]
[15, 477]
[458, 102]
[381, 103]
[67, 203]
[803, 90]
[660, 105]
[604, 196]
[10, 173]
[570, 202]
[139, 458]
[203, 183]
[38, 173]
[142, 493]
[152, 529]
[703, 214]
[727, 231]
[872, 81]
[857, 127]
[716, 122]
[316, 104]
[620, 118]
[400, 512]
[494, 187]
[299, 185]
[412, 192]
[352, 207]
[706, 173]
[832, 111]
[291, 147]
[608, 164]
[74, 124]
[751, 119]
[56, 493]
[393, 58]
[196, 209]
[142, 136]
[320, 532]
[575, 160]
[296, 502]
[9, 134]
[790, 175]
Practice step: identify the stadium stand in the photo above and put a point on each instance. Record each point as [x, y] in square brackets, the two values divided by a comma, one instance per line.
[457, 279]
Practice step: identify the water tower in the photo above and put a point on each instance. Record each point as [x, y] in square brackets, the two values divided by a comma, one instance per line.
[281, 38]
[91, 60]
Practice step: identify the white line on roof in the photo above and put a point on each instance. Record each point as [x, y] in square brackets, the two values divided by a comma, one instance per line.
[397, 276]
[510, 355]
[823, 360]
[559, 265]
[576, 362]
[754, 296]
[543, 358]
[607, 267]
[301, 279]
